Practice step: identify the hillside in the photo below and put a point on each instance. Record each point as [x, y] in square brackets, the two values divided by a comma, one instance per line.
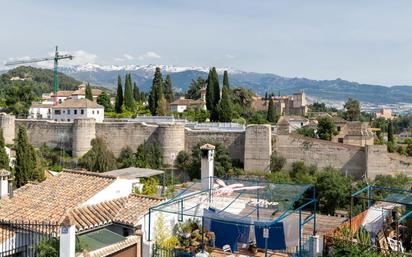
[336, 90]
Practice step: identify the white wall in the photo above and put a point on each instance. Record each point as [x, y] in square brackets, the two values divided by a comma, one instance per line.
[119, 188]
[68, 114]
[40, 112]
[178, 108]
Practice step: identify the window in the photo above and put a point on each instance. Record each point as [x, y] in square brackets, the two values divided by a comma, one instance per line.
[58, 112]
[81, 112]
[340, 140]
[64, 111]
[60, 101]
[68, 111]
[338, 128]
[97, 112]
[93, 112]
[75, 112]
[68, 120]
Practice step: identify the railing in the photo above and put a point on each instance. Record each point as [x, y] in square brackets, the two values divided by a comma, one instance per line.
[162, 252]
[19, 238]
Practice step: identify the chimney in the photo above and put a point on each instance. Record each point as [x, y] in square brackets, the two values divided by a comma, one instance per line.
[207, 167]
[4, 183]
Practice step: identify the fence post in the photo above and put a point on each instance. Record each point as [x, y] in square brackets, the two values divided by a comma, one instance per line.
[314, 245]
[67, 238]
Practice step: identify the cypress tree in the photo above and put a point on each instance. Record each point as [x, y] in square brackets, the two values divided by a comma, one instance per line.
[209, 91]
[213, 94]
[216, 92]
[225, 106]
[390, 132]
[157, 88]
[119, 96]
[4, 158]
[88, 93]
[271, 114]
[136, 93]
[128, 93]
[26, 159]
[168, 89]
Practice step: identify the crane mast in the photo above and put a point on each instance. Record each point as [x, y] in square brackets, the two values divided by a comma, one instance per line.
[56, 59]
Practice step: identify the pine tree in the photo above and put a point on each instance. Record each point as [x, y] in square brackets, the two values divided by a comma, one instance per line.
[168, 89]
[271, 114]
[136, 93]
[128, 93]
[225, 106]
[119, 96]
[213, 94]
[89, 94]
[157, 87]
[4, 158]
[26, 160]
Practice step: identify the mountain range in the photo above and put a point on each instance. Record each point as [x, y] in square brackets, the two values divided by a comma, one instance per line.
[323, 90]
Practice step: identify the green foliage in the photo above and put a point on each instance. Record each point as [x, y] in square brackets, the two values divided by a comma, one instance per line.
[104, 100]
[257, 118]
[195, 114]
[99, 158]
[19, 95]
[213, 94]
[353, 112]
[307, 132]
[333, 190]
[119, 96]
[193, 92]
[137, 95]
[160, 230]
[401, 150]
[128, 93]
[321, 107]
[127, 158]
[54, 158]
[183, 160]
[222, 160]
[279, 177]
[28, 165]
[48, 248]
[409, 149]
[4, 158]
[150, 185]
[88, 93]
[271, 112]
[391, 146]
[302, 174]
[149, 155]
[326, 128]
[168, 89]
[156, 93]
[225, 106]
[390, 132]
[277, 162]
[398, 181]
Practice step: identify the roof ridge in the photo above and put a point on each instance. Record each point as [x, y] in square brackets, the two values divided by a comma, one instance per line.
[89, 173]
[147, 196]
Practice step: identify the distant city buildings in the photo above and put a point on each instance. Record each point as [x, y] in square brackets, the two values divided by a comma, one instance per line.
[384, 113]
[284, 105]
[182, 104]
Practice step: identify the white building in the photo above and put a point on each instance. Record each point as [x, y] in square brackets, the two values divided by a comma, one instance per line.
[40, 111]
[182, 104]
[78, 108]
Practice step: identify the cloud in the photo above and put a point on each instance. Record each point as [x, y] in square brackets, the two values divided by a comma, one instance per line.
[128, 57]
[229, 56]
[149, 55]
[80, 57]
[119, 59]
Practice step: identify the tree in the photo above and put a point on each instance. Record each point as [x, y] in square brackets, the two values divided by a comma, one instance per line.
[212, 94]
[225, 106]
[352, 107]
[128, 93]
[150, 186]
[28, 165]
[193, 92]
[119, 96]
[126, 158]
[161, 108]
[149, 155]
[277, 162]
[222, 160]
[104, 100]
[168, 89]
[156, 91]
[136, 93]
[4, 158]
[307, 132]
[89, 94]
[390, 132]
[332, 190]
[326, 128]
[99, 158]
[271, 113]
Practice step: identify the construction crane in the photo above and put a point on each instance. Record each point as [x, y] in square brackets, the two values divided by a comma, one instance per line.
[56, 59]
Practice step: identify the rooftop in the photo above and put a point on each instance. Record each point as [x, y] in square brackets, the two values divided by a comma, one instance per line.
[79, 103]
[50, 199]
[187, 102]
[82, 91]
[133, 173]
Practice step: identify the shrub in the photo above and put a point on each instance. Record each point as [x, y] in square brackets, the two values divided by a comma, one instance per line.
[277, 162]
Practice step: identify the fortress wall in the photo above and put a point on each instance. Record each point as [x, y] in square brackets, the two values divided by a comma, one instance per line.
[53, 134]
[258, 147]
[380, 162]
[349, 159]
[84, 131]
[7, 124]
[122, 134]
[233, 141]
[172, 138]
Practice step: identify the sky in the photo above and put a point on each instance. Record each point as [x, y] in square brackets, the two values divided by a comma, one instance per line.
[367, 41]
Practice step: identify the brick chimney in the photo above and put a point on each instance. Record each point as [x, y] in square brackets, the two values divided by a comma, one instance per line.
[4, 184]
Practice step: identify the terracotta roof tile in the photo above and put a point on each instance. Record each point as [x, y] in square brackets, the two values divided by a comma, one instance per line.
[125, 210]
[79, 103]
[52, 198]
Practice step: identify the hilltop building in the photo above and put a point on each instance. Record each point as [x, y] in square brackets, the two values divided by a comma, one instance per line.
[182, 104]
[384, 113]
[48, 98]
[285, 105]
[77, 108]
